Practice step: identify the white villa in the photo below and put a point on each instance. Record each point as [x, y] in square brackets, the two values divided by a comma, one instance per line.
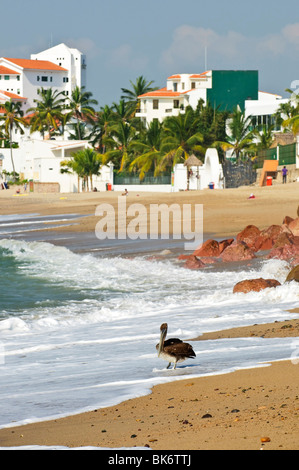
[60, 68]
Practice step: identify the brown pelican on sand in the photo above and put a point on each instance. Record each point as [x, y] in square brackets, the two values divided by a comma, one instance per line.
[173, 349]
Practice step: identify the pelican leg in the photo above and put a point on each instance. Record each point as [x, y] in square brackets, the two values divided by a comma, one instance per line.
[168, 365]
[175, 365]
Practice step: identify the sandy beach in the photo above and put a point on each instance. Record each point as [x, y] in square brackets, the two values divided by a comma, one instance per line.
[247, 409]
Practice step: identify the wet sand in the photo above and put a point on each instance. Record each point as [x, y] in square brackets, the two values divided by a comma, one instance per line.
[247, 409]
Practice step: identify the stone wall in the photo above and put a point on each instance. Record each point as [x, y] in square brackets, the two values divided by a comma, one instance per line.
[238, 174]
[46, 187]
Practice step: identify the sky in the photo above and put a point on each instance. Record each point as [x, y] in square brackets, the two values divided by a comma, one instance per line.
[124, 39]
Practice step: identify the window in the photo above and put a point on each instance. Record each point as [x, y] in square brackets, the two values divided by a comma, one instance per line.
[51, 79]
[38, 78]
[175, 87]
[192, 85]
[6, 77]
[176, 104]
[65, 79]
[44, 79]
[18, 78]
[183, 86]
[155, 104]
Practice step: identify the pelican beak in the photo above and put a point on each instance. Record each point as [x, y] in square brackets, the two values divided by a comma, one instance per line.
[162, 337]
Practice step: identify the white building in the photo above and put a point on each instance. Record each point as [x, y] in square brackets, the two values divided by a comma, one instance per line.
[222, 87]
[59, 67]
[181, 91]
[70, 59]
[40, 161]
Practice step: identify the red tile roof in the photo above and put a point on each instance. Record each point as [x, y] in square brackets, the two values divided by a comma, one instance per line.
[6, 71]
[161, 92]
[12, 96]
[174, 76]
[36, 64]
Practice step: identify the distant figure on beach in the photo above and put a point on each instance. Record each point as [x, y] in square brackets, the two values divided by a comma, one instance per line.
[125, 193]
[284, 175]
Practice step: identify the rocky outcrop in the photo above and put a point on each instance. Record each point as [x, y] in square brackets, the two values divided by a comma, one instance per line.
[255, 285]
[249, 235]
[293, 274]
[294, 227]
[237, 252]
[193, 262]
[208, 248]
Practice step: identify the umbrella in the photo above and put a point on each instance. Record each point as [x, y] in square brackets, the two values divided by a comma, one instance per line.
[192, 161]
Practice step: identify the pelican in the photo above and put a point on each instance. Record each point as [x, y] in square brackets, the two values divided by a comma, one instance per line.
[173, 349]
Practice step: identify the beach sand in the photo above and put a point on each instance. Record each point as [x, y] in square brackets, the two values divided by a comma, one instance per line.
[248, 409]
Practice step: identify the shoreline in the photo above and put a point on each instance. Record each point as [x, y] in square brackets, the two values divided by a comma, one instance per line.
[232, 411]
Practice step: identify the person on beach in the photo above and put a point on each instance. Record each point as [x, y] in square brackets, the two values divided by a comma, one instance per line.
[125, 193]
[284, 175]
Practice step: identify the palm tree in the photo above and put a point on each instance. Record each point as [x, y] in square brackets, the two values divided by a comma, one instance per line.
[148, 149]
[122, 134]
[181, 138]
[293, 124]
[12, 117]
[264, 138]
[241, 134]
[85, 163]
[48, 111]
[139, 88]
[80, 106]
[101, 125]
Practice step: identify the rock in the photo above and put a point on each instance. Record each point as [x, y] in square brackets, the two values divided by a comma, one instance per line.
[249, 235]
[224, 244]
[265, 439]
[267, 238]
[287, 220]
[287, 252]
[294, 227]
[237, 252]
[293, 274]
[255, 285]
[283, 239]
[208, 248]
[193, 263]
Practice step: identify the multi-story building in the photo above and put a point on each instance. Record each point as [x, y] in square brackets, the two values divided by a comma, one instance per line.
[59, 67]
[222, 89]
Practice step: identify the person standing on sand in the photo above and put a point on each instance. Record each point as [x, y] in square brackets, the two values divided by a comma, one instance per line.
[284, 175]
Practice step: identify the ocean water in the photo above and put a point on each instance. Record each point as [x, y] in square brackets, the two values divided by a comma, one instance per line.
[78, 327]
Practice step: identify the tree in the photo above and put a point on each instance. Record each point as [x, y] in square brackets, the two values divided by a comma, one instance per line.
[180, 138]
[264, 138]
[48, 113]
[102, 123]
[12, 117]
[80, 105]
[241, 134]
[139, 88]
[85, 163]
[148, 149]
[121, 136]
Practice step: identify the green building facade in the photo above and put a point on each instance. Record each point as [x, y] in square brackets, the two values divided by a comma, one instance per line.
[231, 88]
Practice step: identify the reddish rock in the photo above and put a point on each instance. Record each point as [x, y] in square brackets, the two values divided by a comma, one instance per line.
[287, 220]
[255, 285]
[237, 252]
[294, 227]
[283, 239]
[249, 235]
[286, 252]
[193, 263]
[267, 238]
[208, 248]
[224, 244]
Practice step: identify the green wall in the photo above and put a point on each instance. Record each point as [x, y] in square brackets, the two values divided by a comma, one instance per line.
[232, 87]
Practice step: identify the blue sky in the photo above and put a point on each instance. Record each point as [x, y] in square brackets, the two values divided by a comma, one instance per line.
[124, 39]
